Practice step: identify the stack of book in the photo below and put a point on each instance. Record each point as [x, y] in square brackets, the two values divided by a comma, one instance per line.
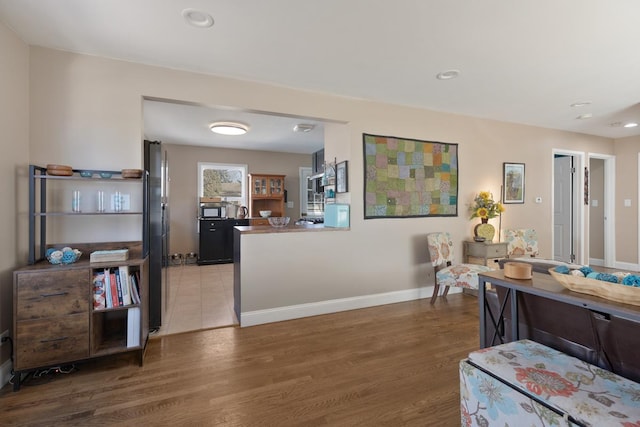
[115, 287]
[112, 255]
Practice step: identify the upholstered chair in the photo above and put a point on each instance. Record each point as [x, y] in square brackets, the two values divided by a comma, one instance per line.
[521, 242]
[447, 272]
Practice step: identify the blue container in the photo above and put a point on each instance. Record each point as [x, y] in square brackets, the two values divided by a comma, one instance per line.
[336, 215]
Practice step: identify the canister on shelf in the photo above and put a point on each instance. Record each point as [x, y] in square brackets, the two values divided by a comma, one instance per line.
[75, 201]
[100, 201]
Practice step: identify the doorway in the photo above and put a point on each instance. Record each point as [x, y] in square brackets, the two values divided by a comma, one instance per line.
[568, 215]
[601, 212]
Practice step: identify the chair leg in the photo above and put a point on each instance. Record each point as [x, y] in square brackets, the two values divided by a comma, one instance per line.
[436, 287]
[446, 291]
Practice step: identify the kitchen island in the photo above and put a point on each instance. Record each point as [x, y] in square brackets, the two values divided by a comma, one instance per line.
[278, 272]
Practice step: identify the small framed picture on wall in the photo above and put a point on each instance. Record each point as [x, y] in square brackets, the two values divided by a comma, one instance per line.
[513, 183]
[342, 178]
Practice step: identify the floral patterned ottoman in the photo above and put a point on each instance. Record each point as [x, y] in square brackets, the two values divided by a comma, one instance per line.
[524, 383]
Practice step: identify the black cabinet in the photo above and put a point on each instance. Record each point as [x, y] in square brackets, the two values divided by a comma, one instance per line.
[317, 162]
[216, 240]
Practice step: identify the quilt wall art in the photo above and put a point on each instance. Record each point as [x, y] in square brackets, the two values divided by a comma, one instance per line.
[409, 178]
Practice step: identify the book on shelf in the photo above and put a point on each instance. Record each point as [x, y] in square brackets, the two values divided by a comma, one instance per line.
[133, 327]
[110, 255]
[126, 284]
[120, 287]
[99, 291]
[135, 293]
[107, 289]
[114, 289]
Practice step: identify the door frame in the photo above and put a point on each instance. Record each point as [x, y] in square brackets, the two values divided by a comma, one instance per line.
[609, 206]
[578, 204]
[304, 172]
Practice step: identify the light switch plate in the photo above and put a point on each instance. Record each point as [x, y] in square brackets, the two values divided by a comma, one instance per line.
[627, 203]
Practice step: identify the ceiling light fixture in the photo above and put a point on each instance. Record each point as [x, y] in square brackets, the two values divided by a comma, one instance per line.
[630, 125]
[584, 116]
[581, 104]
[303, 127]
[229, 128]
[197, 18]
[448, 74]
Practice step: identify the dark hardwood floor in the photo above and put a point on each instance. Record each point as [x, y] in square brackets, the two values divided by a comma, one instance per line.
[393, 365]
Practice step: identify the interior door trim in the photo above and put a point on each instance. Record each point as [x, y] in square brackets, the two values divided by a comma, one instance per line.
[578, 204]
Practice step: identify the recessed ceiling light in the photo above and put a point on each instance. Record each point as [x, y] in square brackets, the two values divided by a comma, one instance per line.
[303, 127]
[630, 125]
[581, 104]
[448, 74]
[584, 116]
[197, 18]
[229, 128]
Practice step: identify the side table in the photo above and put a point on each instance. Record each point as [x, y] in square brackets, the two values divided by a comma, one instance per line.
[483, 250]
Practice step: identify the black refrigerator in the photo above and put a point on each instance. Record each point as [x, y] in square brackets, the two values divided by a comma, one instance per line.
[156, 233]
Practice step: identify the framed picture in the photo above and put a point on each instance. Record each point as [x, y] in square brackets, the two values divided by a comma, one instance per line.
[406, 178]
[513, 183]
[342, 181]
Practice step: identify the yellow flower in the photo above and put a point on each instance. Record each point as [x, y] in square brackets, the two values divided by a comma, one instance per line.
[485, 207]
[482, 213]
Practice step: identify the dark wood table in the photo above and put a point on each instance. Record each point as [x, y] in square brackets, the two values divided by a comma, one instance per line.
[542, 285]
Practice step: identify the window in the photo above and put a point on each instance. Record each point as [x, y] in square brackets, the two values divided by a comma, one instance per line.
[223, 180]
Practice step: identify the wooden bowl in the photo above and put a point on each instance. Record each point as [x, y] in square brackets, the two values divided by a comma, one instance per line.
[59, 170]
[599, 288]
[518, 270]
[132, 173]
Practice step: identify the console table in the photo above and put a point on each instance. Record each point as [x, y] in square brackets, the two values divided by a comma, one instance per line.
[542, 285]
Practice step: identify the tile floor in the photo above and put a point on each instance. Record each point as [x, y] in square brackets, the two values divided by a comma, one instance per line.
[200, 297]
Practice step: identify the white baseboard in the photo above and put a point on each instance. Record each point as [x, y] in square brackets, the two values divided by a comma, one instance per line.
[5, 373]
[597, 262]
[259, 317]
[627, 266]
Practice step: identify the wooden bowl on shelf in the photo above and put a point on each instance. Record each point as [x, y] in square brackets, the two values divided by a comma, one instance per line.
[132, 173]
[59, 170]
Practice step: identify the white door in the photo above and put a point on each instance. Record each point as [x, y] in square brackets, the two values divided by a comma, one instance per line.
[563, 194]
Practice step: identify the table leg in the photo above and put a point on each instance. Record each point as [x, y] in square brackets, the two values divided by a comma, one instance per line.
[483, 311]
[514, 315]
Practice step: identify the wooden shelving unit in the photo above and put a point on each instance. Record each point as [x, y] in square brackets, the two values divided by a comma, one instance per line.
[55, 321]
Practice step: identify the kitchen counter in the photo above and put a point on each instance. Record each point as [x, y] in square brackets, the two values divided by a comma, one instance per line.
[291, 228]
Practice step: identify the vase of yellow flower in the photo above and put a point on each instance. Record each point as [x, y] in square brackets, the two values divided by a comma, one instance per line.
[484, 207]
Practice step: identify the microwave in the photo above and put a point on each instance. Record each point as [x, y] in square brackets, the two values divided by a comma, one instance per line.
[208, 211]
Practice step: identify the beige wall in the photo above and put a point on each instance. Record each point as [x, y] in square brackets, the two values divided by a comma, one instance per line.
[596, 213]
[14, 123]
[183, 173]
[87, 112]
[626, 151]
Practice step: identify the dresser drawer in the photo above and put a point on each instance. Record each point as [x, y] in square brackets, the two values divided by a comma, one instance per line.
[496, 251]
[40, 295]
[52, 341]
[486, 250]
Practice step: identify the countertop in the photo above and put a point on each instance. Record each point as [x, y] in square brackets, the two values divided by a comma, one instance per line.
[291, 228]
